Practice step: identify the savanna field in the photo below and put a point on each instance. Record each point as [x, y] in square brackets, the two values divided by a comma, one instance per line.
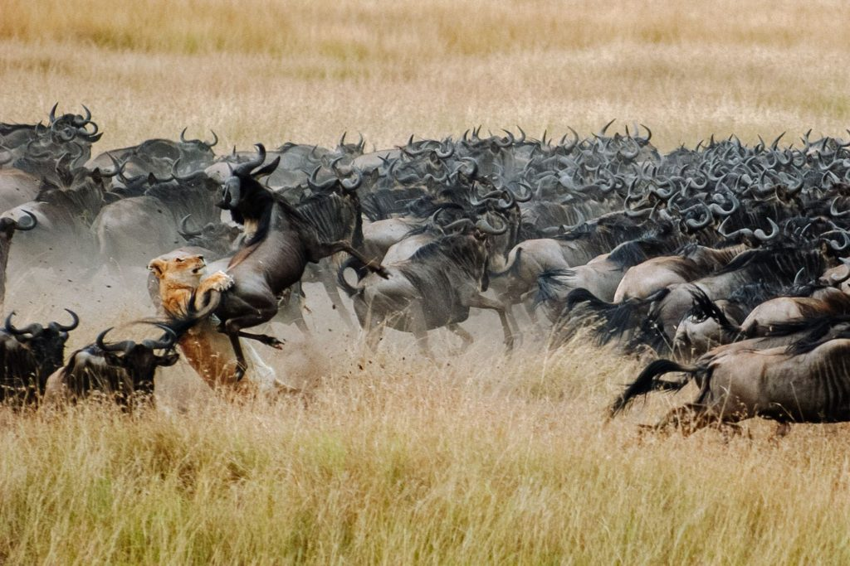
[391, 457]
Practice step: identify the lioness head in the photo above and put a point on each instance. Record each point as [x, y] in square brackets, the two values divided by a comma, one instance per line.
[179, 266]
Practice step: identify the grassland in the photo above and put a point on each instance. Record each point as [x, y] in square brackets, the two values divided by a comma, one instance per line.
[471, 459]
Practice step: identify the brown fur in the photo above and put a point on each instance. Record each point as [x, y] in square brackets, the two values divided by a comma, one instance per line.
[181, 276]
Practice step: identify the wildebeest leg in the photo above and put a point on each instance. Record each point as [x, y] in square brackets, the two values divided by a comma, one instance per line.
[419, 327]
[329, 283]
[480, 302]
[263, 339]
[690, 418]
[342, 246]
[463, 334]
[241, 364]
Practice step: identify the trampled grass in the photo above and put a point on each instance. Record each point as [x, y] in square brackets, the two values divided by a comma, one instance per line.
[402, 460]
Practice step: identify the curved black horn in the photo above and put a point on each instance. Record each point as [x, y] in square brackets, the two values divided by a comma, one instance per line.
[123, 346]
[215, 140]
[32, 329]
[74, 324]
[353, 185]
[53, 113]
[164, 343]
[314, 184]
[184, 230]
[245, 169]
[833, 210]
[484, 226]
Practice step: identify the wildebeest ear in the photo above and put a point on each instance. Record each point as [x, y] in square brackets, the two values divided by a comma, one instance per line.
[156, 267]
[267, 170]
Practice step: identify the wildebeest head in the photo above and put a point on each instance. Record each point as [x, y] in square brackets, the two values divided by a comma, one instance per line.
[67, 127]
[140, 360]
[47, 343]
[244, 180]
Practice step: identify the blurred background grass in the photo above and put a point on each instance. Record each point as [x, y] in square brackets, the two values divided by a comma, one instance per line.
[275, 71]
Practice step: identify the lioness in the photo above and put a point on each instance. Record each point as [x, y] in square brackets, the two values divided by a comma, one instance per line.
[182, 275]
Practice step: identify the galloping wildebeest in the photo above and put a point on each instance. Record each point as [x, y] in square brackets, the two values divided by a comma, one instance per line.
[281, 241]
[433, 288]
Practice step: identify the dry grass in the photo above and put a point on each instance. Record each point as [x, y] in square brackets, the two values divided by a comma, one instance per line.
[402, 460]
[275, 71]
[412, 462]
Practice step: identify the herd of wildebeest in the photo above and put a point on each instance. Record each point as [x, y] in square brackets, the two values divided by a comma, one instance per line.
[723, 261]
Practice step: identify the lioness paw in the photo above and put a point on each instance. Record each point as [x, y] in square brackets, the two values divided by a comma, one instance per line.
[218, 281]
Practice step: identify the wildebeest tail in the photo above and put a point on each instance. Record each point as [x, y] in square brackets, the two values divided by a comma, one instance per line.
[705, 306]
[646, 383]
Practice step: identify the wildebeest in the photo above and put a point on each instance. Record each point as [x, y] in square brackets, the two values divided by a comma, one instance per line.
[435, 287]
[281, 241]
[29, 355]
[121, 370]
[804, 383]
[8, 226]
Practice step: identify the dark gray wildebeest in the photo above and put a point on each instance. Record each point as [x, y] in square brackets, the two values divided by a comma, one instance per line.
[8, 227]
[28, 356]
[132, 230]
[808, 381]
[158, 156]
[433, 288]
[122, 370]
[281, 241]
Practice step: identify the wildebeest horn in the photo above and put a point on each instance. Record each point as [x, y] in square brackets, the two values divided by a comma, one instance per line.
[215, 140]
[774, 232]
[457, 223]
[342, 140]
[190, 177]
[53, 113]
[118, 168]
[184, 230]
[605, 128]
[164, 343]
[833, 210]
[699, 224]
[644, 140]
[34, 329]
[448, 152]
[719, 211]
[484, 226]
[523, 197]
[508, 141]
[246, 168]
[183, 135]
[834, 243]
[580, 214]
[124, 346]
[522, 135]
[313, 182]
[353, 185]
[74, 324]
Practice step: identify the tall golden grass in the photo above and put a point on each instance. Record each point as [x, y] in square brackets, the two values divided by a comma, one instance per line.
[413, 462]
[259, 70]
[392, 459]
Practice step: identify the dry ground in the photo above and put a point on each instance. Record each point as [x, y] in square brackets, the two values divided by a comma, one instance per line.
[393, 459]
